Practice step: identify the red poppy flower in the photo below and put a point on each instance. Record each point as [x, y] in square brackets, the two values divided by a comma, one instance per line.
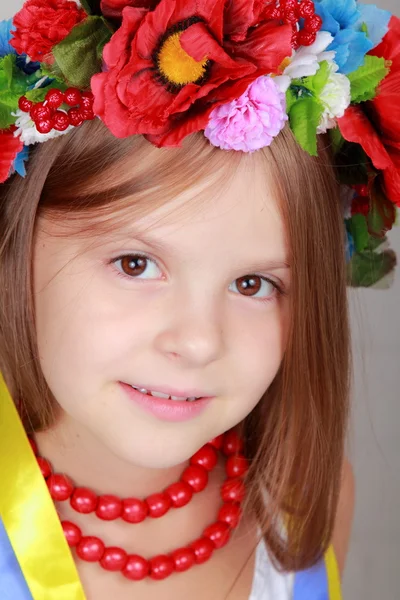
[112, 9]
[10, 146]
[42, 24]
[167, 69]
[376, 125]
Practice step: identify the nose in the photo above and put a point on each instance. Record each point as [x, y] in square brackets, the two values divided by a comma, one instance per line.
[192, 333]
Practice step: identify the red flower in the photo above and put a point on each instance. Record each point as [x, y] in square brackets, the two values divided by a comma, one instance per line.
[112, 9]
[166, 70]
[42, 24]
[376, 126]
[10, 146]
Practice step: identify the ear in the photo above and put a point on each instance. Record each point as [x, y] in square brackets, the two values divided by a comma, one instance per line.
[344, 516]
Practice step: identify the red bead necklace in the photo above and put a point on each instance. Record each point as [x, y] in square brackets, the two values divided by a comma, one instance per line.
[108, 507]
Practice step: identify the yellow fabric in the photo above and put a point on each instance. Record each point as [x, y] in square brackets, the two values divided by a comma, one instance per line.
[29, 515]
[176, 65]
[333, 575]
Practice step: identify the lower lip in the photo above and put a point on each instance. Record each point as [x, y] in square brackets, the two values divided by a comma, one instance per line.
[167, 410]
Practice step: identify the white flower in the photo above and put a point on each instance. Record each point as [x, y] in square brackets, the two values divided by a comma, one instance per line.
[335, 97]
[305, 62]
[27, 132]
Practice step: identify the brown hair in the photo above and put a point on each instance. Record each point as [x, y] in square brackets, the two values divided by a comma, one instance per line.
[295, 436]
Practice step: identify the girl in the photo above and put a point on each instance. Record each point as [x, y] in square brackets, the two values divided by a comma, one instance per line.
[174, 328]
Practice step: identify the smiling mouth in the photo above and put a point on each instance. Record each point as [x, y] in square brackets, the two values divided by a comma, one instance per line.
[164, 396]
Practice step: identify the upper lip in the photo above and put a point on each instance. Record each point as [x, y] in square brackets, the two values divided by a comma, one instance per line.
[180, 393]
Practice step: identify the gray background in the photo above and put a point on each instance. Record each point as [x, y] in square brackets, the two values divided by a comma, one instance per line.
[373, 565]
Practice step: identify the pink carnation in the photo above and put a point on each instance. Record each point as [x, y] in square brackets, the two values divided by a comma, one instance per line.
[252, 121]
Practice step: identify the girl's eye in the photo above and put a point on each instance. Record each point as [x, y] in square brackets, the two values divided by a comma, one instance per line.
[255, 286]
[137, 266]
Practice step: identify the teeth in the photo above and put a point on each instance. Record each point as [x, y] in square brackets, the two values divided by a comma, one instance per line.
[159, 395]
[165, 396]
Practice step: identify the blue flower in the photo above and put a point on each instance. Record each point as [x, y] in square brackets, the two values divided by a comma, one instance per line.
[20, 160]
[5, 37]
[356, 29]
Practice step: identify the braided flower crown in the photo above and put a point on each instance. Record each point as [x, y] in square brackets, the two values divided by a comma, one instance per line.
[236, 69]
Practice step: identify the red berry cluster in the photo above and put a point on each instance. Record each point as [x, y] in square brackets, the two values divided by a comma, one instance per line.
[47, 116]
[361, 203]
[291, 12]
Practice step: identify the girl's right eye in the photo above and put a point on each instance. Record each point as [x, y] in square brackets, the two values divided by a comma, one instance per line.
[137, 266]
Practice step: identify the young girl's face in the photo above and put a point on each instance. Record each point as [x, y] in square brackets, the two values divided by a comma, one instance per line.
[190, 303]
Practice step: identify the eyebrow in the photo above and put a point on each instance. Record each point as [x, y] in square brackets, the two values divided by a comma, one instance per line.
[250, 265]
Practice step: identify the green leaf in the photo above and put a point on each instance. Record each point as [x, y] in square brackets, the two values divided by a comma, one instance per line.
[317, 82]
[337, 140]
[358, 228]
[305, 116]
[291, 98]
[13, 84]
[5, 116]
[364, 82]
[382, 214]
[79, 55]
[364, 29]
[39, 94]
[368, 268]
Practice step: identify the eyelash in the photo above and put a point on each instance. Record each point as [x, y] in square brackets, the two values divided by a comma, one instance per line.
[279, 289]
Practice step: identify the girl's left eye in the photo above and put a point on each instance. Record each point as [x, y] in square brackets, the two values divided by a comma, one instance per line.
[137, 266]
[255, 286]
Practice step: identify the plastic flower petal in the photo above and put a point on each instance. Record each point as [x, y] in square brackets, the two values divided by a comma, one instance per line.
[335, 97]
[350, 47]
[252, 121]
[9, 148]
[376, 20]
[20, 160]
[5, 37]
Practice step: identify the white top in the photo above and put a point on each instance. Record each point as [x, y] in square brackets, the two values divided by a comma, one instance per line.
[268, 583]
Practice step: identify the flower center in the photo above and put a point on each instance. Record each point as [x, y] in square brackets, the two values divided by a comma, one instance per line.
[175, 66]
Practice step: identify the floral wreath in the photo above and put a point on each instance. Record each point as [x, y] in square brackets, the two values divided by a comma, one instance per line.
[237, 70]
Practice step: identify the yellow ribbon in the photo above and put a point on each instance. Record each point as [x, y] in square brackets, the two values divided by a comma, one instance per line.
[333, 576]
[29, 515]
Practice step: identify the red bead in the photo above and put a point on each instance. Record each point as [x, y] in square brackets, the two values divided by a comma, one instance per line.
[72, 533]
[60, 487]
[83, 500]
[306, 9]
[90, 548]
[273, 13]
[362, 189]
[180, 494]
[206, 457]
[136, 568]
[158, 505]
[183, 558]
[236, 466]
[313, 24]
[289, 5]
[230, 514]
[61, 120]
[290, 17]
[24, 104]
[161, 567]
[44, 466]
[72, 96]
[44, 125]
[40, 112]
[87, 114]
[306, 38]
[109, 507]
[54, 98]
[233, 443]
[218, 533]
[75, 117]
[134, 510]
[218, 442]
[196, 477]
[233, 490]
[87, 100]
[203, 549]
[114, 559]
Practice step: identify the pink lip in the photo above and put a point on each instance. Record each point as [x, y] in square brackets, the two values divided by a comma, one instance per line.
[167, 410]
